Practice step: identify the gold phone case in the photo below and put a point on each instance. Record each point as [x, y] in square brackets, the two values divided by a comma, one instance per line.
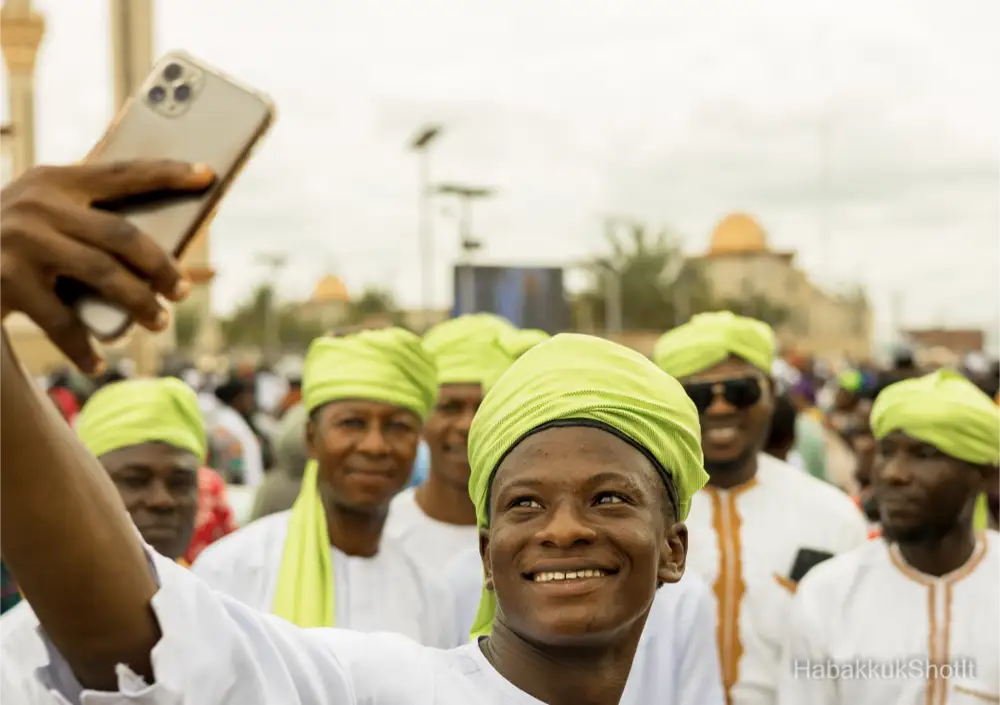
[186, 111]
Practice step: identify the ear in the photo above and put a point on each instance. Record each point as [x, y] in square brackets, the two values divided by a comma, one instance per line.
[673, 553]
[484, 553]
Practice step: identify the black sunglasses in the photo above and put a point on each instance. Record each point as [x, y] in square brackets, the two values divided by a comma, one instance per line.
[741, 392]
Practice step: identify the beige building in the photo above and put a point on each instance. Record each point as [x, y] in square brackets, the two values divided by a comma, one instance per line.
[328, 305]
[739, 265]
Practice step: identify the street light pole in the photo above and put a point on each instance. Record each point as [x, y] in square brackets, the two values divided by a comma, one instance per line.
[466, 294]
[275, 262]
[421, 145]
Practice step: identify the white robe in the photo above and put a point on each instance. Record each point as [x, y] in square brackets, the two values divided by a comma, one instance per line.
[677, 660]
[217, 415]
[387, 592]
[215, 650]
[743, 541]
[865, 627]
[21, 652]
[428, 541]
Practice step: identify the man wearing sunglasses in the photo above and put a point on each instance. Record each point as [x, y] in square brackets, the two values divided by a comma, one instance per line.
[760, 524]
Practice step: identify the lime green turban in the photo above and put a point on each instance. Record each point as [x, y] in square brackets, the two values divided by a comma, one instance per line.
[133, 412]
[467, 349]
[518, 342]
[389, 366]
[586, 378]
[945, 410]
[709, 338]
[950, 413]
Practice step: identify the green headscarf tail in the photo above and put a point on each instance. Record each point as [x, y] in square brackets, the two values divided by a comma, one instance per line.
[709, 338]
[388, 366]
[467, 349]
[945, 410]
[304, 595]
[518, 342]
[582, 377]
[133, 412]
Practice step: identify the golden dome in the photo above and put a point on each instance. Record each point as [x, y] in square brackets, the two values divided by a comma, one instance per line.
[330, 289]
[738, 233]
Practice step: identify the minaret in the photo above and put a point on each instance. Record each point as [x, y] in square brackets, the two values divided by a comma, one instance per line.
[21, 32]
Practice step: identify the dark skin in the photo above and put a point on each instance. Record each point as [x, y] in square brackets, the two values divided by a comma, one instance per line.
[159, 485]
[63, 529]
[926, 501]
[445, 494]
[731, 438]
[863, 443]
[567, 499]
[365, 451]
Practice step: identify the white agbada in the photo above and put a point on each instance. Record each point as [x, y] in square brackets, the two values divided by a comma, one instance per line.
[218, 415]
[217, 651]
[677, 660]
[743, 542]
[387, 592]
[877, 623]
[430, 542]
[21, 652]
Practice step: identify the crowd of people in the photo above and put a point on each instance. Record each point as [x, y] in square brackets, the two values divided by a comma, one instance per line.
[480, 514]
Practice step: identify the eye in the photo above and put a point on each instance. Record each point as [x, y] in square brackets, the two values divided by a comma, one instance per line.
[610, 498]
[525, 503]
[352, 423]
[926, 451]
[400, 427]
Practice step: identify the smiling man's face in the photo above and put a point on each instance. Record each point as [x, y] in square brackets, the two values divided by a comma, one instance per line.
[581, 533]
[735, 402]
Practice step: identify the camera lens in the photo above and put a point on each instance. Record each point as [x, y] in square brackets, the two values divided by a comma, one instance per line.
[156, 94]
[172, 72]
[182, 92]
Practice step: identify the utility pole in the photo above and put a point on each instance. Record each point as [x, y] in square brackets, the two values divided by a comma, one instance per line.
[274, 262]
[466, 294]
[421, 145]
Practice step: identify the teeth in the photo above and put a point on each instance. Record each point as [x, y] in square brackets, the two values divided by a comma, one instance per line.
[721, 434]
[573, 575]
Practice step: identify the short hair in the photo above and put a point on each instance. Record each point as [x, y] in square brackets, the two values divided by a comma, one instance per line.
[782, 422]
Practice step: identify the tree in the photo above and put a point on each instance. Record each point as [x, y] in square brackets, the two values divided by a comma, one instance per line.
[186, 324]
[375, 303]
[658, 289]
[759, 307]
[249, 323]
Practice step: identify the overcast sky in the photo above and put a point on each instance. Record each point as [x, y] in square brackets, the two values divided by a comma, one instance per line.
[676, 113]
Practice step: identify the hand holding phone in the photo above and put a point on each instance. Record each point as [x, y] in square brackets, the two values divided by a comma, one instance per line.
[49, 229]
[186, 111]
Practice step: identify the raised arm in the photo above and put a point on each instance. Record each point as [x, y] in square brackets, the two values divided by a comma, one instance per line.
[63, 529]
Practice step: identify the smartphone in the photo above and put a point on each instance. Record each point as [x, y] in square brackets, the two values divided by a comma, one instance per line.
[805, 560]
[187, 111]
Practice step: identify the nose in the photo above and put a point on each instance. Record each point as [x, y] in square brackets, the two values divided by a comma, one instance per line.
[373, 442]
[893, 470]
[464, 422]
[566, 528]
[719, 406]
[159, 497]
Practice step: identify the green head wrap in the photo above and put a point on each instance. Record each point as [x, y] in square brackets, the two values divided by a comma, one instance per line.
[133, 412]
[388, 366]
[467, 349]
[709, 338]
[590, 379]
[850, 380]
[950, 413]
[945, 410]
[518, 342]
